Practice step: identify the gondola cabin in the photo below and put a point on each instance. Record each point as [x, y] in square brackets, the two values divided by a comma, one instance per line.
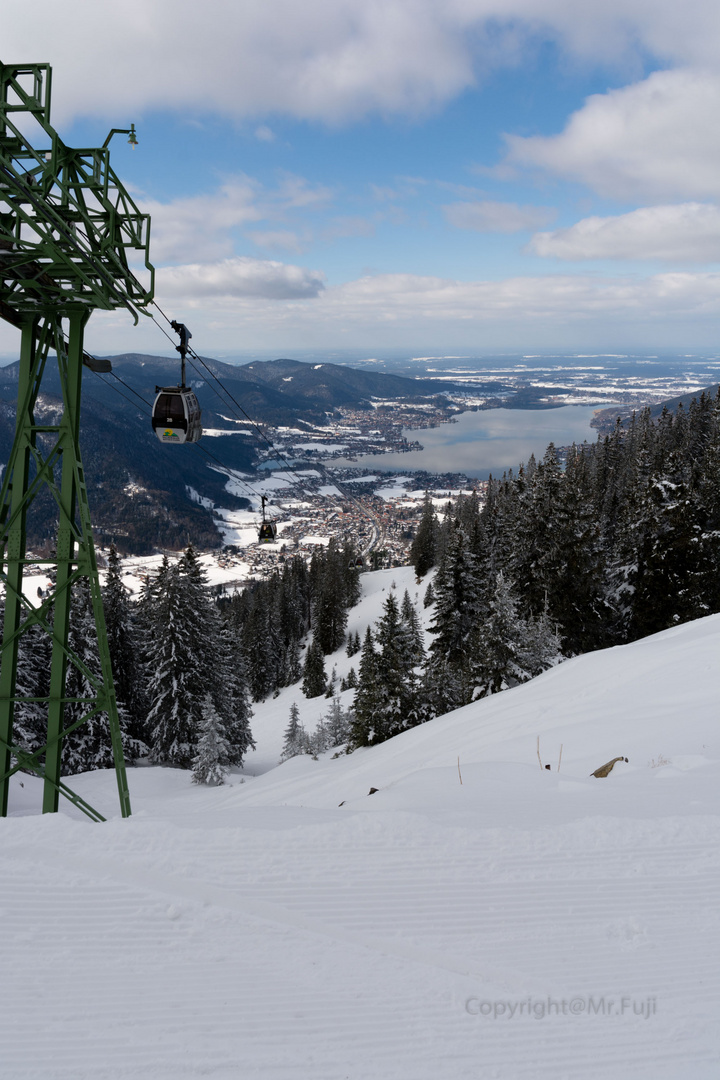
[268, 528]
[176, 416]
[267, 532]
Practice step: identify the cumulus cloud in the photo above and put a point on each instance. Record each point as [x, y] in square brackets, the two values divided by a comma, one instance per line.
[656, 139]
[497, 217]
[239, 277]
[200, 228]
[235, 309]
[330, 60]
[688, 232]
[414, 301]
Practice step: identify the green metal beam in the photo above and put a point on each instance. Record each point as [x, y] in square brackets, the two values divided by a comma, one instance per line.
[66, 226]
[74, 561]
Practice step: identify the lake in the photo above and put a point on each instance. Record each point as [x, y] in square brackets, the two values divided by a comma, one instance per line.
[492, 441]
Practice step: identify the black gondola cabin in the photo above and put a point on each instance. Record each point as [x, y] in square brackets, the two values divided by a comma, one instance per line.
[268, 528]
[176, 416]
[268, 532]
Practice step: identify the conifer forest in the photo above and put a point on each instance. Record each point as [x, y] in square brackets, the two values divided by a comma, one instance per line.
[620, 541]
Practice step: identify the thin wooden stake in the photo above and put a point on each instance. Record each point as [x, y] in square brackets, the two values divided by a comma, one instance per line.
[459, 773]
[560, 758]
[538, 752]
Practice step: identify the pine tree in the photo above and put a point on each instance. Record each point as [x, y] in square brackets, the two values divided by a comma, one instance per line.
[176, 682]
[318, 742]
[236, 711]
[125, 651]
[211, 762]
[395, 679]
[314, 677]
[89, 745]
[336, 723]
[458, 612]
[295, 739]
[367, 698]
[429, 597]
[185, 650]
[33, 680]
[353, 644]
[331, 600]
[503, 642]
[413, 631]
[423, 550]
[543, 644]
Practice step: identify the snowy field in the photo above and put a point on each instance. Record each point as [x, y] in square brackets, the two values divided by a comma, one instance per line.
[522, 923]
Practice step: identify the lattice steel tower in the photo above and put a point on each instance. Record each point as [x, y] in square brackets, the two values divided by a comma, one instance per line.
[66, 224]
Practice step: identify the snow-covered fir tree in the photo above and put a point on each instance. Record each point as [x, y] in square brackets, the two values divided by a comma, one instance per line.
[177, 680]
[125, 651]
[295, 740]
[211, 762]
[395, 677]
[333, 581]
[502, 642]
[189, 656]
[543, 643]
[314, 677]
[458, 613]
[423, 550]
[336, 723]
[234, 698]
[33, 680]
[89, 745]
[412, 630]
[367, 698]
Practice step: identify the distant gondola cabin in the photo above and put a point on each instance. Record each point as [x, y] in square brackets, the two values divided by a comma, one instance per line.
[267, 533]
[176, 416]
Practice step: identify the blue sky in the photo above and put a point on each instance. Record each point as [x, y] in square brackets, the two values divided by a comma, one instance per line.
[407, 175]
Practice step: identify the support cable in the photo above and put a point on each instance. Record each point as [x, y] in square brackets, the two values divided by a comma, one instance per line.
[202, 449]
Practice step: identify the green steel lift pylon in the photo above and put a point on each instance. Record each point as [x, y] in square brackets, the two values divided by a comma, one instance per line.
[66, 223]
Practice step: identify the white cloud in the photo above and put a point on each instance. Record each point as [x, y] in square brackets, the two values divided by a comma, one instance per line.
[295, 192]
[247, 304]
[240, 277]
[279, 240]
[199, 228]
[656, 139]
[414, 301]
[497, 217]
[688, 232]
[330, 60]
[264, 134]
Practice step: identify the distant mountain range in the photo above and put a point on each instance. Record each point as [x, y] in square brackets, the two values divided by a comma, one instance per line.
[140, 490]
[605, 419]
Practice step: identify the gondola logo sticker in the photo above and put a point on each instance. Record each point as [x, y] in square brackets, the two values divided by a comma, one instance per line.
[169, 434]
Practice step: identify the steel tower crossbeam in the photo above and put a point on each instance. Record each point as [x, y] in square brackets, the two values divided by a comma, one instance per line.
[66, 224]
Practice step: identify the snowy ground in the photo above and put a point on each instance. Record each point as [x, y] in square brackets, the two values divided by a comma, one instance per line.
[521, 924]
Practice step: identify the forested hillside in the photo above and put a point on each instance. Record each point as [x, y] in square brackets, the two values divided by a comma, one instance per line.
[624, 542]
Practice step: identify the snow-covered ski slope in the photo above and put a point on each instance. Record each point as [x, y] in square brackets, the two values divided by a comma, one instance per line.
[525, 923]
